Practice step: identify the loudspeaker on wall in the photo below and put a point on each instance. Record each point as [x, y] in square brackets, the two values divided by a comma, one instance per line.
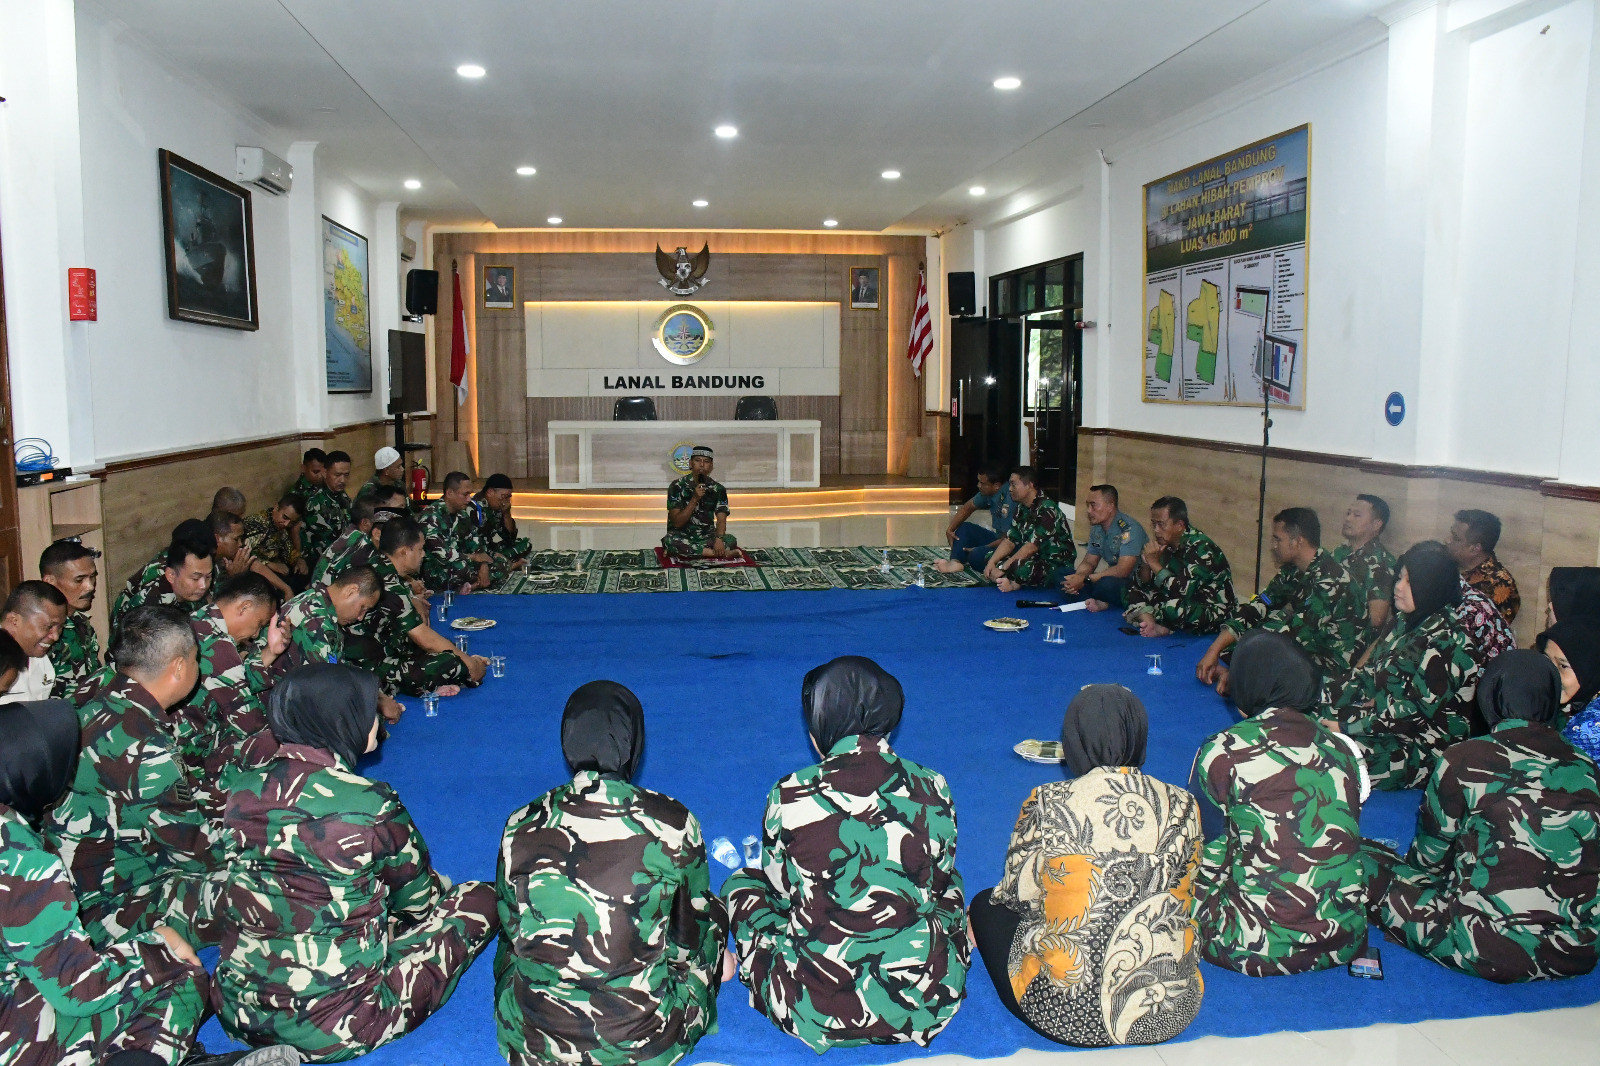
[422, 292]
[962, 286]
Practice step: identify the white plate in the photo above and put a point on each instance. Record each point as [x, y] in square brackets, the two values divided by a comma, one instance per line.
[473, 625]
[1007, 625]
[1029, 749]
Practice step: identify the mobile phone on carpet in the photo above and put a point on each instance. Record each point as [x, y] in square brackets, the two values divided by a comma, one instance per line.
[1132, 631]
[1037, 603]
[1368, 965]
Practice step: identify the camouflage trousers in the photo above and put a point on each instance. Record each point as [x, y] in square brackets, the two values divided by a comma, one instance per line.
[411, 674]
[161, 1016]
[690, 543]
[1035, 573]
[824, 1001]
[354, 1017]
[181, 900]
[1416, 909]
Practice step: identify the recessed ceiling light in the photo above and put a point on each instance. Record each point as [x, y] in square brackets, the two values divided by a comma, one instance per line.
[1008, 83]
[830, 222]
[702, 203]
[471, 70]
[890, 175]
[554, 220]
[976, 190]
[726, 131]
[413, 183]
[527, 172]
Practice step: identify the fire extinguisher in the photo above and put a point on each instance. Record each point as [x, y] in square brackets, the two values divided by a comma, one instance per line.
[419, 483]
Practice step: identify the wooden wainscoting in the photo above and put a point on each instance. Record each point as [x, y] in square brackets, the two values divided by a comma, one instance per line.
[1545, 524]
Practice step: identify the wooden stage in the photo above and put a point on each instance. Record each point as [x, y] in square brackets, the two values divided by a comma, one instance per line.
[841, 497]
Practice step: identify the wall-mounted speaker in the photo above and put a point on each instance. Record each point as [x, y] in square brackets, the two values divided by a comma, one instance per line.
[408, 368]
[962, 285]
[422, 292]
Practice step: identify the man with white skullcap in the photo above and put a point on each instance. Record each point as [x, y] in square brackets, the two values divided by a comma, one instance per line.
[390, 473]
[697, 513]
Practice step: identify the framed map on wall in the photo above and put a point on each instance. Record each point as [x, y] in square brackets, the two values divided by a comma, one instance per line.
[346, 308]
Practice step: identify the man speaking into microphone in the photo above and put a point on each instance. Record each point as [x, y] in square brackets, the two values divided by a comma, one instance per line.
[697, 513]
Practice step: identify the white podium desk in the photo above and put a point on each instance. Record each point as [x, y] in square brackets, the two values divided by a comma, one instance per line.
[633, 455]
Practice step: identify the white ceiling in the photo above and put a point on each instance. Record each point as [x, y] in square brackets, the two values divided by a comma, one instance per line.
[614, 100]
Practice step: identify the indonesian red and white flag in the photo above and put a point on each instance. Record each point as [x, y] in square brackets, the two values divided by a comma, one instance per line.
[459, 345]
[921, 345]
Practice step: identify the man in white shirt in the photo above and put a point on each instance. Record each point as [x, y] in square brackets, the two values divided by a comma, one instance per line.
[34, 614]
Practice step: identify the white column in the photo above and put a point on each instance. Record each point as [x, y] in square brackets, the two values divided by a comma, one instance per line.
[310, 377]
[386, 294]
[41, 224]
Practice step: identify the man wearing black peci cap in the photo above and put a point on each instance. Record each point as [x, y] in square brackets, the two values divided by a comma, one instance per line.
[697, 513]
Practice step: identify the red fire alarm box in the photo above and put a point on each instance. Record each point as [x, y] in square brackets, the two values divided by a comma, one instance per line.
[82, 304]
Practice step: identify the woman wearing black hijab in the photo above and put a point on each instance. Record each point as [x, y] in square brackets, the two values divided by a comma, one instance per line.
[338, 936]
[853, 931]
[1573, 593]
[1105, 858]
[611, 939]
[1412, 696]
[64, 1001]
[1282, 886]
[1503, 877]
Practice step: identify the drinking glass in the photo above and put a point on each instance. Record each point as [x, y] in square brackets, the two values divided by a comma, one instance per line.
[497, 665]
[461, 642]
[430, 705]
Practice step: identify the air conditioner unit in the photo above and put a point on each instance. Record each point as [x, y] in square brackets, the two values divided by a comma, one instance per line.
[262, 169]
[408, 249]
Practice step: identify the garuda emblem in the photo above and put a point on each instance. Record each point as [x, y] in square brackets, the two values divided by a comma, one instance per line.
[681, 274]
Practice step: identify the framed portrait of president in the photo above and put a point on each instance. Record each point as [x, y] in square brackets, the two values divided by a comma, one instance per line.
[864, 288]
[499, 288]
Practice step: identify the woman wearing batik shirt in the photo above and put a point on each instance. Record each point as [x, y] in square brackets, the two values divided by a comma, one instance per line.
[1090, 936]
[1282, 887]
[611, 939]
[1411, 696]
[63, 1001]
[853, 931]
[1503, 877]
[338, 936]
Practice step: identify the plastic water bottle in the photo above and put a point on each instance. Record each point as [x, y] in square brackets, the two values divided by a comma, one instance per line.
[752, 850]
[723, 851]
[885, 566]
[922, 582]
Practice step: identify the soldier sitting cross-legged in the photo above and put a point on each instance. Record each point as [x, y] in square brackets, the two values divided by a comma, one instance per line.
[338, 936]
[1182, 580]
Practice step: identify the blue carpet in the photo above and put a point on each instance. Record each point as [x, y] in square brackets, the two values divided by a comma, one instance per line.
[719, 677]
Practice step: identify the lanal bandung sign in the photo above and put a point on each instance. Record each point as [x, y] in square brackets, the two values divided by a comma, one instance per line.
[629, 383]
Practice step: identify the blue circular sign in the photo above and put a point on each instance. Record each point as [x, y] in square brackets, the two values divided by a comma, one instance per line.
[1394, 409]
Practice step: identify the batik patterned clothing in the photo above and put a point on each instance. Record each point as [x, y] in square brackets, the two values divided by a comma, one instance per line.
[223, 723]
[338, 936]
[611, 939]
[1495, 581]
[451, 538]
[853, 931]
[1283, 889]
[352, 548]
[1489, 632]
[1372, 568]
[267, 542]
[65, 1001]
[1101, 868]
[1044, 525]
[381, 643]
[315, 635]
[1192, 592]
[76, 656]
[1410, 700]
[1503, 877]
[139, 849]
[690, 540]
[327, 513]
[1318, 608]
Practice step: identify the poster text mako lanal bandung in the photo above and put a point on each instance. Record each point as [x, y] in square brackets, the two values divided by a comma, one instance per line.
[1225, 277]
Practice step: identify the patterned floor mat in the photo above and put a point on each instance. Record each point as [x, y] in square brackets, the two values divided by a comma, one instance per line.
[785, 569]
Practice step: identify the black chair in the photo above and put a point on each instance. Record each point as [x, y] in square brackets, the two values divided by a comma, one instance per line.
[756, 409]
[634, 409]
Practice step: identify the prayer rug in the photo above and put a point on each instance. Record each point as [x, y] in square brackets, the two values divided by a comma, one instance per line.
[742, 558]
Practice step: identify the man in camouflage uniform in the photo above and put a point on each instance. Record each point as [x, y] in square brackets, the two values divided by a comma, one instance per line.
[70, 568]
[315, 620]
[327, 509]
[313, 470]
[1370, 564]
[1282, 885]
[179, 576]
[1310, 599]
[1183, 581]
[1503, 877]
[138, 847]
[454, 558]
[1037, 551]
[853, 930]
[354, 546]
[697, 512]
[394, 641]
[1473, 536]
[611, 940]
[338, 935]
[497, 529]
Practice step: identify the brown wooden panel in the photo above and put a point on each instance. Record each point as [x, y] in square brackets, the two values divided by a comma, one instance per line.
[645, 241]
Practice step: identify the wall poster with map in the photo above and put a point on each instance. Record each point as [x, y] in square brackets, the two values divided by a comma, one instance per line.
[1225, 277]
[346, 308]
